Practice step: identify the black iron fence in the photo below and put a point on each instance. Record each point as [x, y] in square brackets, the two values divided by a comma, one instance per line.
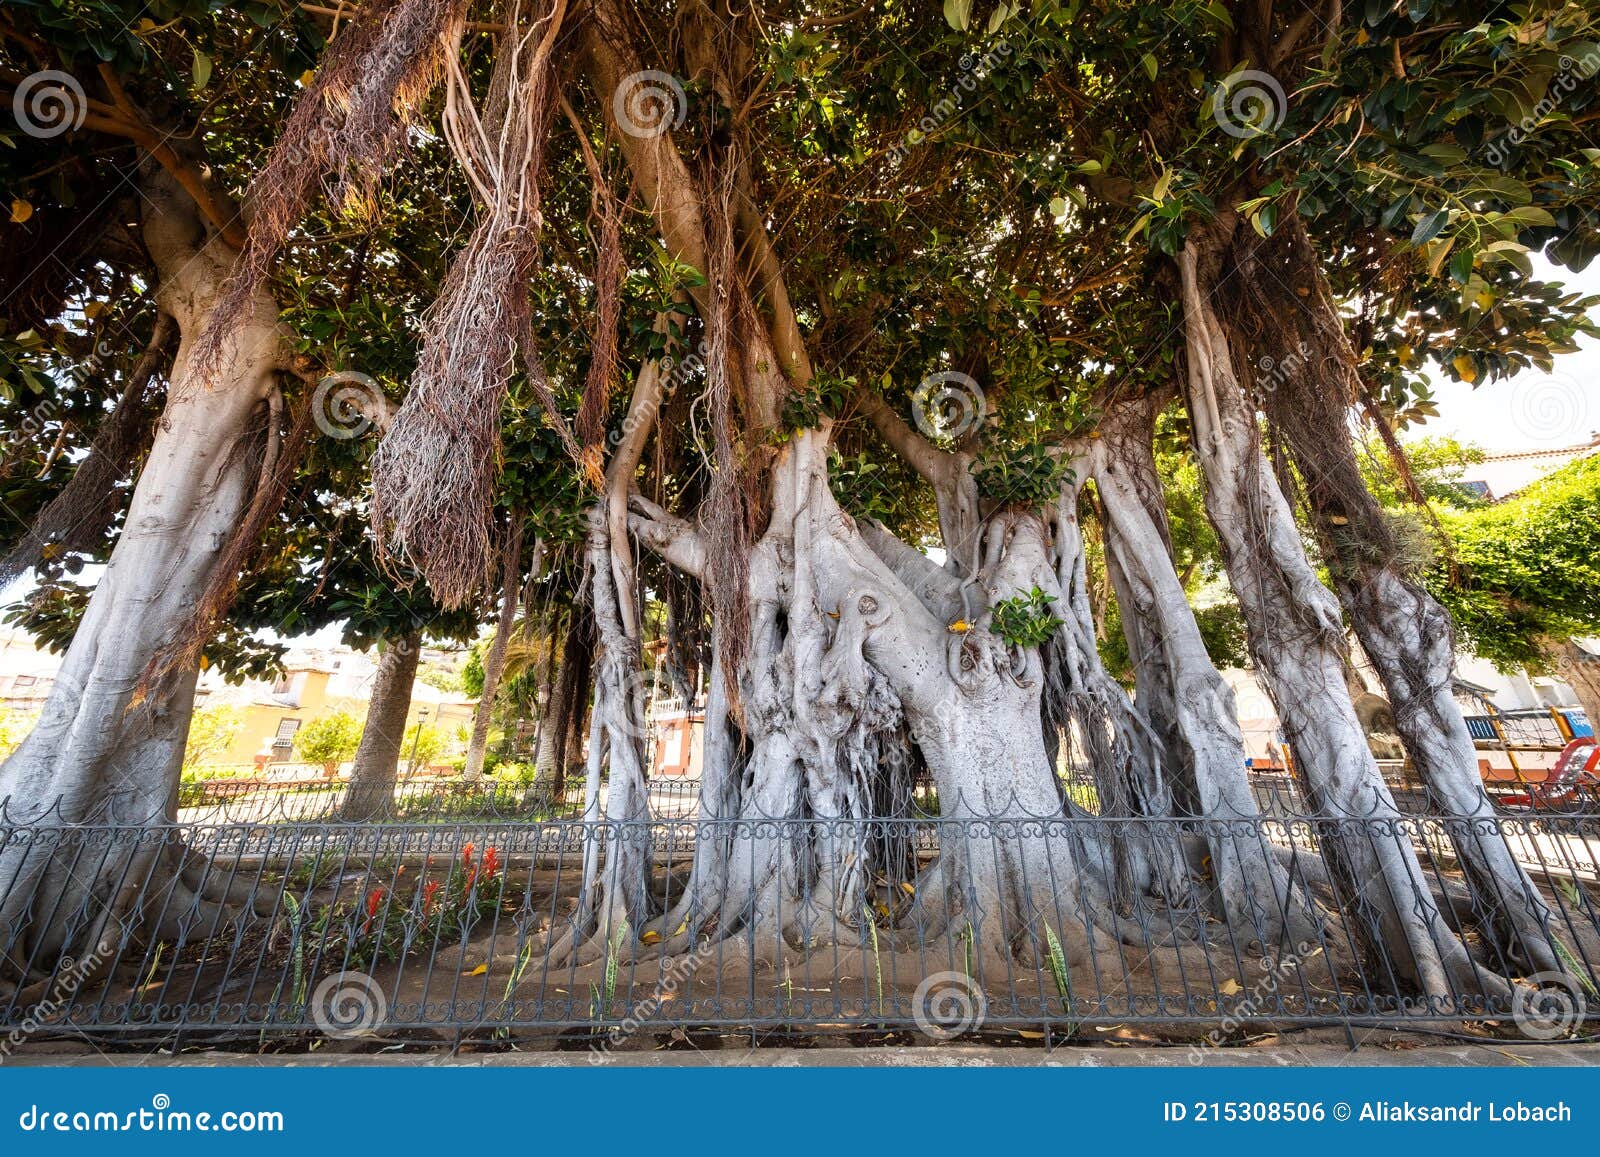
[388, 931]
[429, 799]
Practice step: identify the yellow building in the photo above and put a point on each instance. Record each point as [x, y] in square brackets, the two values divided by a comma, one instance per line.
[316, 682]
[262, 715]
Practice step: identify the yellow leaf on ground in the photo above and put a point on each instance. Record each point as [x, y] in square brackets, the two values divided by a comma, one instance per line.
[20, 211]
[650, 938]
[1228, 987]
[478, 971]
[908, 887]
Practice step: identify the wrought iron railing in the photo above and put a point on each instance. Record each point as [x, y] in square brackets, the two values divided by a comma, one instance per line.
[390, 930]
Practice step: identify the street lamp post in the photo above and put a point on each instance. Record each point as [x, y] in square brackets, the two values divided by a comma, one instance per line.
[422, 718]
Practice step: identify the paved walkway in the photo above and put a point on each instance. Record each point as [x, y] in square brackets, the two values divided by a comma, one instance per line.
[1507, 1055]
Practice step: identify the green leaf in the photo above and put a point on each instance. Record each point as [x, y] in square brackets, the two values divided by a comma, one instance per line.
[1428, 228]
[201, 70]
[958, 14]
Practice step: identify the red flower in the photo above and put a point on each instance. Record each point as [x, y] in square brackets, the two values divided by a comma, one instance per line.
[374, 899]
[429, 891]
[466, 855]
[491, 863]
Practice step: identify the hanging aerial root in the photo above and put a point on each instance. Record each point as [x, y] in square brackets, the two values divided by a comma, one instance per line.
[433, 477]
[347, 126]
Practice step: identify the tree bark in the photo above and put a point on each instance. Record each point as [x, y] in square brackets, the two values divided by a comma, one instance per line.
[1296, 640]
[104, 750]
[494, 661]
[377, 764]
[1408, 636]
[1181, 692]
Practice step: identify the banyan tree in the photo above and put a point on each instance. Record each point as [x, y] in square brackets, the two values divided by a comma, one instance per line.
[877, 312]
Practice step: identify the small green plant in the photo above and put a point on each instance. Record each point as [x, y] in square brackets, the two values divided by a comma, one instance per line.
[824, 396]
[1060, 974]
[435, 911]
[600, 1002]
[877, 958]
[1024, 621]
[1026, 475]
[524, 958]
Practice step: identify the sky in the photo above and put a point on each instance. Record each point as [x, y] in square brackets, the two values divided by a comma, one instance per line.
[1533, 410]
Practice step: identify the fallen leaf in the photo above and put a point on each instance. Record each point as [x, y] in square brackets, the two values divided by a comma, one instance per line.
[478, 971]
[1228, 987]
[651, 937]
[20, 211]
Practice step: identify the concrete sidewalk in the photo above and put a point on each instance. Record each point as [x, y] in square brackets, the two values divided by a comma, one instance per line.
[1508, 1055]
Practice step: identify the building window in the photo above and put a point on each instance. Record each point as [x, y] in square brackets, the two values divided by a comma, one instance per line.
[281, 686]
[286, 729]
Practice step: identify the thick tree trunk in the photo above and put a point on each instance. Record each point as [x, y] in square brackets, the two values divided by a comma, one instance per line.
[850, 634]
[377, 765]
[1295, 637]
[549, 771]
[78, 518]
[101, 752]
[1082, 698]
[494, 661]
[614, 908]
[1191, 705]
[1404, 631]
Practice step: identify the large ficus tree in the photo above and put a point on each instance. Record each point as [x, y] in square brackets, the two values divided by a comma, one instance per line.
[845, 324]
